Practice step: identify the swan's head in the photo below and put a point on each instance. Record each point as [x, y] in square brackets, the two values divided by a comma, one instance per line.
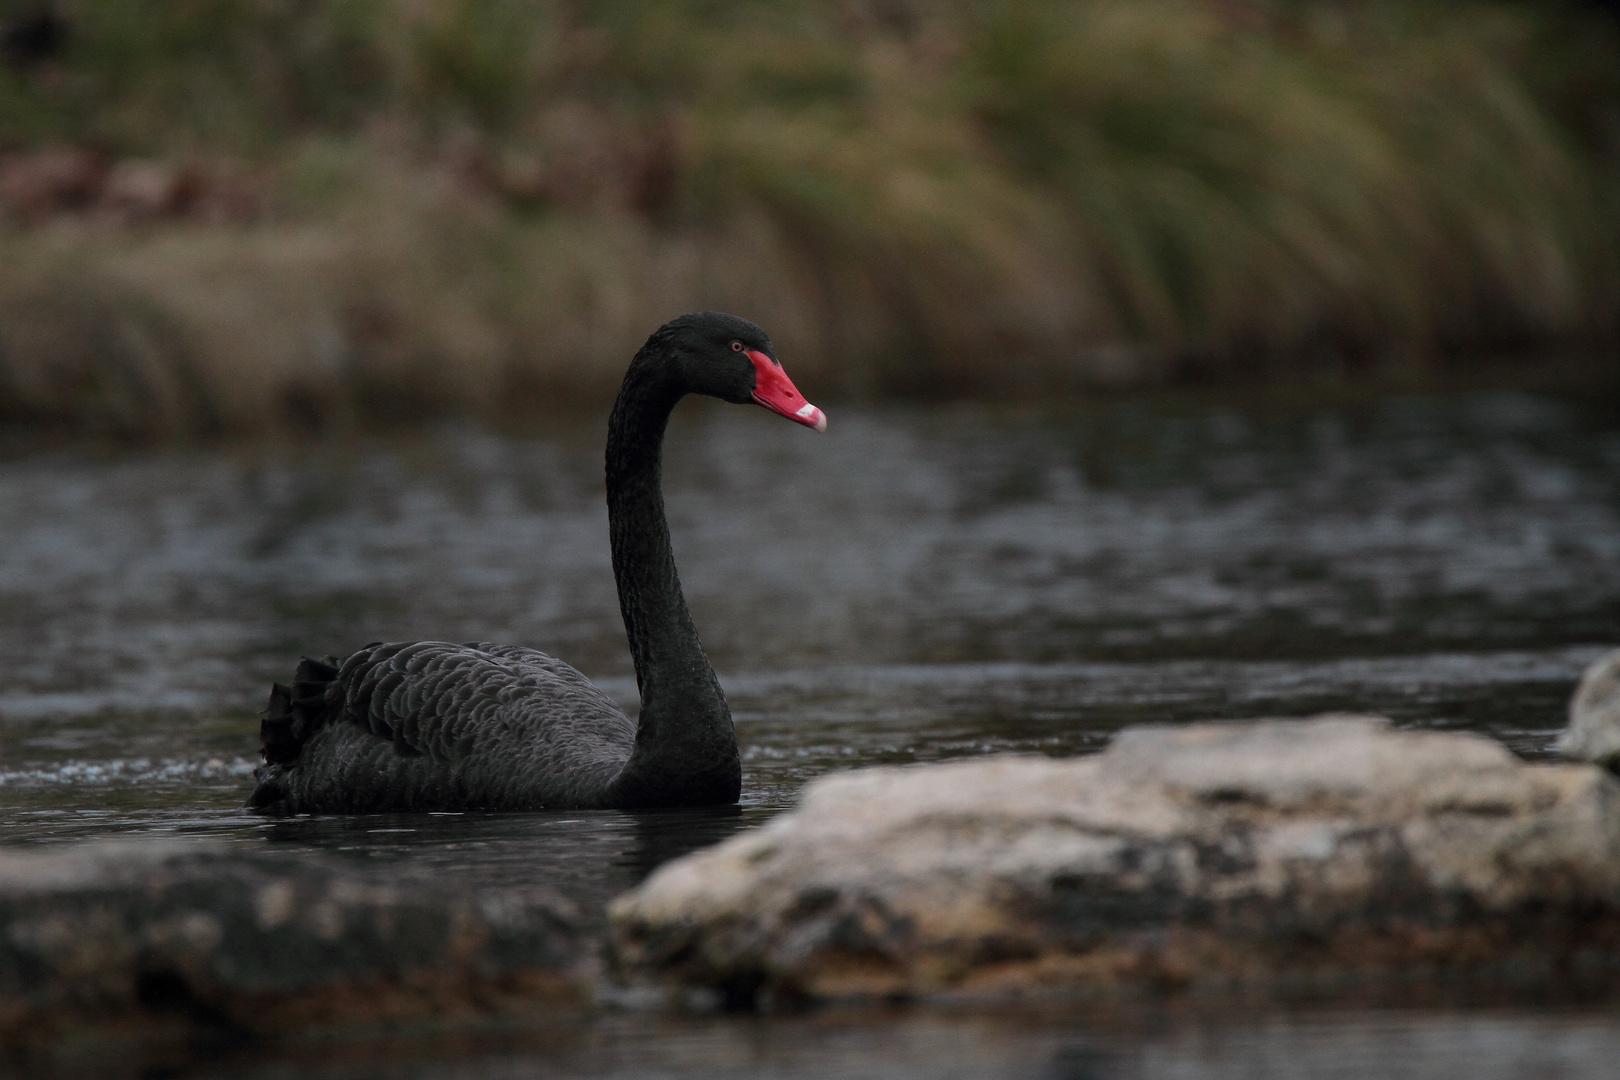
[732, 359]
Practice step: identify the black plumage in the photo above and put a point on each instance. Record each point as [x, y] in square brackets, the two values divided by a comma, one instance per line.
[432, 725]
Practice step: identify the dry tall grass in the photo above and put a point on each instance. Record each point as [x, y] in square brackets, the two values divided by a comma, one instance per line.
[476, 205]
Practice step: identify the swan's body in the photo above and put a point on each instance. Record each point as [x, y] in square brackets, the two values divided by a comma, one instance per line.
[438, 726]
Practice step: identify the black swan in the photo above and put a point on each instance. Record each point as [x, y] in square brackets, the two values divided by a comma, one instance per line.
[430, 725]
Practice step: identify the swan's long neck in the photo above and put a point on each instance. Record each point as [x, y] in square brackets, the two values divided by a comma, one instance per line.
[686, 748]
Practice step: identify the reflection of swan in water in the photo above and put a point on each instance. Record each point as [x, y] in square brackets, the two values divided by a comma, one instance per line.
[1594, 715]
[429, 725]
[587, 856]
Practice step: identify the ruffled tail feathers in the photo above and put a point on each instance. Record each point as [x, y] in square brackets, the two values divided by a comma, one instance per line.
[293, 714]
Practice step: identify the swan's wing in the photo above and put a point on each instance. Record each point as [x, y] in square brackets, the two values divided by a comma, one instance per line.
[444, 700]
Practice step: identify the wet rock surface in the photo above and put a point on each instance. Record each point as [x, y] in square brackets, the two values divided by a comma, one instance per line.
[160, 939]
[1282, 854]
[1594, 715]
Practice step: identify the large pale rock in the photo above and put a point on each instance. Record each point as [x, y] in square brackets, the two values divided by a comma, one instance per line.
[1594, 715]
[159, 939]
[1269, 853]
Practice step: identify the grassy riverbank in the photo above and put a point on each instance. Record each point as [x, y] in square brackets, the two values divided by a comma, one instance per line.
[236, 216]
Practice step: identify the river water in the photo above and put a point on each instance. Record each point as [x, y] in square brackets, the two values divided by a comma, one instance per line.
[917, 584]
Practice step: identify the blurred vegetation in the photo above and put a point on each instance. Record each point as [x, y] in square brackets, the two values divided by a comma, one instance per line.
[238, 215]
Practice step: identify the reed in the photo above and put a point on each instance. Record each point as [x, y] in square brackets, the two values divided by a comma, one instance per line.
[313, 216]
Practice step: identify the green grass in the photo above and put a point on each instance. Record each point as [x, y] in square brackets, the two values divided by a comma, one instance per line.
[484, 205]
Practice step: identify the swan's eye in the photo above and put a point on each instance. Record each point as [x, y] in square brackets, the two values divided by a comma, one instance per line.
[736, 346]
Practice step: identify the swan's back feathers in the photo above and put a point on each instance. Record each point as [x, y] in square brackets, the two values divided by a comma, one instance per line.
[435, 725]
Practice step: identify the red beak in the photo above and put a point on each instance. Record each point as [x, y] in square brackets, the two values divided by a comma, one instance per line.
[774, 390]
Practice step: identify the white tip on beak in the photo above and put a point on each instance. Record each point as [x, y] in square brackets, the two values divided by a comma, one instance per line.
[811, 416]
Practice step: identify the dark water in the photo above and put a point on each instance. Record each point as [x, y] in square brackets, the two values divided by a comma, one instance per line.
[915, 585]
[1149, 1043]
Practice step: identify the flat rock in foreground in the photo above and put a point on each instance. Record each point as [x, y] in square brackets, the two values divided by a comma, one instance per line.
[1280, 854]
[158, 939]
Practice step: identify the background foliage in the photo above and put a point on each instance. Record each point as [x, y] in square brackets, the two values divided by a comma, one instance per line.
[230, 215]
